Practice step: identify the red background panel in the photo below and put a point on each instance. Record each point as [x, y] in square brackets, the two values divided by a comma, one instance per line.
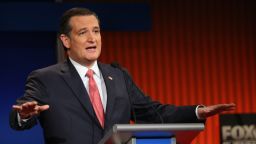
[197, 52]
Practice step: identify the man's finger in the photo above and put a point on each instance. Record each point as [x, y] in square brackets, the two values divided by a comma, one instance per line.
[17, 107]
[228, 105]
[25, 105]
[29, 105]
[229, 109]
[43, 108]
[32, 103]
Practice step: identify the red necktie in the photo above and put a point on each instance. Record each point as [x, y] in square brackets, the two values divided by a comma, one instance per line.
[95, 98]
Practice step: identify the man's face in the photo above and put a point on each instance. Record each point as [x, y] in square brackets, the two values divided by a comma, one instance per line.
[84, 41]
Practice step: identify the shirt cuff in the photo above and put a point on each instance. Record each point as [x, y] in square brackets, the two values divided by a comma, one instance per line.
[20, 121]
[197, 115]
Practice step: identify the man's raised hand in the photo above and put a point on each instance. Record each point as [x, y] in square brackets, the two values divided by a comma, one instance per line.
[204, 112]
[29, 109]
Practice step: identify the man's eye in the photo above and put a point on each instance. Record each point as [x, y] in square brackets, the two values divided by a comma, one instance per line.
[82, 33]
[96, 31]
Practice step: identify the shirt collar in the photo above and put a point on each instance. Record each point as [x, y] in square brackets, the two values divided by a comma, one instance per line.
[82, 70]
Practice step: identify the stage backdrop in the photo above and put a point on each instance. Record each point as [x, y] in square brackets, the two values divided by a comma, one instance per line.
[198, 52]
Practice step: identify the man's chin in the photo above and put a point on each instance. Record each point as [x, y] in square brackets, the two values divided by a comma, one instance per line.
[91, 60]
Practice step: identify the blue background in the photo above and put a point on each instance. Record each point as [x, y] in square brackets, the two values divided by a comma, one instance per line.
[21, 52]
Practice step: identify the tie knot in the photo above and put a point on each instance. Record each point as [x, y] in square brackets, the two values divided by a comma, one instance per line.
[89, 73]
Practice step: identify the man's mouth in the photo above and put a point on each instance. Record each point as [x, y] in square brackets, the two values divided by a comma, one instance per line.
[90, 48]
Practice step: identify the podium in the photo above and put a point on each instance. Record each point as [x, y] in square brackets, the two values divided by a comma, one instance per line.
[182, 133]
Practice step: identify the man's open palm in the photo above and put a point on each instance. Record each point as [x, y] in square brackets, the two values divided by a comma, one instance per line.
[212, 110]
[29, 109]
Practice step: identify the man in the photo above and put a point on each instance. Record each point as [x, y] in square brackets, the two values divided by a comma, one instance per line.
[79, 100]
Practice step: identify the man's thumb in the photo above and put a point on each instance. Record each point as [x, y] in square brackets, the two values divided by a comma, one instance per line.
[43, 107]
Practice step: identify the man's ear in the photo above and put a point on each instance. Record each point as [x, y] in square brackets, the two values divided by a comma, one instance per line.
[65, 40]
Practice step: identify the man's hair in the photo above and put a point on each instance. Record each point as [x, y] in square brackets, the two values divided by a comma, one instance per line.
[65, 27]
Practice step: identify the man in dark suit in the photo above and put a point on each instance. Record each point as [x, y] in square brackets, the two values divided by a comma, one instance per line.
[79, 100]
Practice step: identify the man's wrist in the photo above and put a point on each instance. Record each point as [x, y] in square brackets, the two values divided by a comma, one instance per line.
[22, 120]
[198, 113]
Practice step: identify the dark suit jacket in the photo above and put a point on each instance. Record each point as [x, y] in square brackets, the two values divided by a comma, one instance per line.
[71, 118]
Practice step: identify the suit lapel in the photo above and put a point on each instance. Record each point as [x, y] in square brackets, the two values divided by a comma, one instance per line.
[75, 83]
[110, 82]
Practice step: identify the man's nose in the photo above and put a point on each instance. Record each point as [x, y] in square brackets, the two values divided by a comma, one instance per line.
[91, 37]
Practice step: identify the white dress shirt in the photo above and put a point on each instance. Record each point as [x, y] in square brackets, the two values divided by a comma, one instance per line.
[82, 70]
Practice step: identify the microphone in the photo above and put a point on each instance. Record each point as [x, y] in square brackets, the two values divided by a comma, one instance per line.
[125, 73]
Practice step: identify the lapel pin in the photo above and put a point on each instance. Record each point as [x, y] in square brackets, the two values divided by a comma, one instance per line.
[109, 77]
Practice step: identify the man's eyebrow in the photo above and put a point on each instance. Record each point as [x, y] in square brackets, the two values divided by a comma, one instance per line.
[96, 27]
[82, 29]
